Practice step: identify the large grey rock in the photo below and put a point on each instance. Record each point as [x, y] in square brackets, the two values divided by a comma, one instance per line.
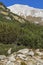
[31, 53]
[24, 51]
[21, 56]
[38, 52]
[10, 63]
[2, 57]
[11, 58]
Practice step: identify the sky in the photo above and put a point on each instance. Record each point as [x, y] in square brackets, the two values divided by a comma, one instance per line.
[33, 3]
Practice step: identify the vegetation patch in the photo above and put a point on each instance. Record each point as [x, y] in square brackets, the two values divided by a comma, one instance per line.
[23, 63]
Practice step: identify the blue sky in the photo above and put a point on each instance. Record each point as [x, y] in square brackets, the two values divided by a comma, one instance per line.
[33, 3]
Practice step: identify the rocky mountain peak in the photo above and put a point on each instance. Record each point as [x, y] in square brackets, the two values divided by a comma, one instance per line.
[26, 10]
[31, 14]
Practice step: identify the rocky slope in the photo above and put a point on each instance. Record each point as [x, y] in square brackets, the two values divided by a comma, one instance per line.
[31, 14]
[23, 57]
[9, 16]
[11, 13]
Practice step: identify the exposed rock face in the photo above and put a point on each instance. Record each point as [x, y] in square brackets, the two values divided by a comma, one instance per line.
[23, 57]
[31, 14]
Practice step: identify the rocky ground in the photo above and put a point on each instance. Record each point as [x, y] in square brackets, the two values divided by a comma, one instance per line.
[23, 57]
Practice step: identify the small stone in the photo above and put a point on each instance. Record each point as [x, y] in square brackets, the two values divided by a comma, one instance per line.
[9, 51]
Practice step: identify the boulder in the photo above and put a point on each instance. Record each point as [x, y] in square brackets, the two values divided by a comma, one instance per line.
[10, 63]
[21, 56]
[31, 53]
[11, 58]
[24, 51]
[38, 52]
[2, 57]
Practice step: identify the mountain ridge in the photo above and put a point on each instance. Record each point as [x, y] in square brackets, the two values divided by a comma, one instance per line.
[29, 13]
[26, 10]
[4, 11]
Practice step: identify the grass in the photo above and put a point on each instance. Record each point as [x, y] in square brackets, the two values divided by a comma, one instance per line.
[5, 47]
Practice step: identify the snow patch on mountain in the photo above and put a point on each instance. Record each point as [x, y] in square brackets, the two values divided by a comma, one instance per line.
[25, 10]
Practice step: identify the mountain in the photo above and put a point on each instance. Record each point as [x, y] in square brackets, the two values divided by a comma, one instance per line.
[16, 30]
[16, 33]
[26, 10]
[31, 14]
[9, 16]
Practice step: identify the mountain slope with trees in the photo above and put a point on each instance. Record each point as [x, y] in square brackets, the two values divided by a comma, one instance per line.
[16, 30]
